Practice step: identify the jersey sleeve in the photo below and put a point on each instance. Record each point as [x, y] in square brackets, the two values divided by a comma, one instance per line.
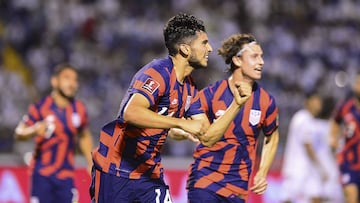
[151, 83]
[81, 108]
[271, 118]
[32, 115]
[195, 105]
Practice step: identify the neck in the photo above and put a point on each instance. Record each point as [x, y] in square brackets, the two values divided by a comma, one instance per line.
[238, 77]
[312, 112]
[182, 68]
[59, 100]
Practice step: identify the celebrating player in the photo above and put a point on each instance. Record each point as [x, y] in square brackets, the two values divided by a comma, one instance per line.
[55, 122]
[221, 170]
[127, 165]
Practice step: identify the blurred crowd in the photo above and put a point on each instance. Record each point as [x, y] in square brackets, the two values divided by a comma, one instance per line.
[310, 44]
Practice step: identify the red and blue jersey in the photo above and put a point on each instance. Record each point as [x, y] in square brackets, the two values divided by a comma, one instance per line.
[132, 152]
[348, 115]
[225, 167]
[54, 155]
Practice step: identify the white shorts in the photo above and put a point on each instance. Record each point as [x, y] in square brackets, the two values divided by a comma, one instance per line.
[296, 187]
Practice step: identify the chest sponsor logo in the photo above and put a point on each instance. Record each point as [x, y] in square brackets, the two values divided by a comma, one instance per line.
[219, 113]
[254, 117]
[151, 85]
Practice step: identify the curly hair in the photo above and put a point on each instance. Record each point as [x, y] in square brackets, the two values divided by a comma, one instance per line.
[232, 45]
[180, 28]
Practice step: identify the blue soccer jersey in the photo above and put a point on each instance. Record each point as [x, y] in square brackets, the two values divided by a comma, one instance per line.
[225, 167]
[131, 152]
[54, 153]
[349, 115]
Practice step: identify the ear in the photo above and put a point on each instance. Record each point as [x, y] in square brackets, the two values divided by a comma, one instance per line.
[237, 61]
[185, 49]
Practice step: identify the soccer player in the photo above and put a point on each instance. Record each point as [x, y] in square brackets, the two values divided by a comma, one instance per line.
[346, 121]
[127, 165]
[221, 170]
[56, 122]
[305, 175]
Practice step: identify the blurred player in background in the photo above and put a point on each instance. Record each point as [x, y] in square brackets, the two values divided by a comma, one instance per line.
[221, 171]
[55, 123]
[304, 174]
[127, 165]
[346, 122]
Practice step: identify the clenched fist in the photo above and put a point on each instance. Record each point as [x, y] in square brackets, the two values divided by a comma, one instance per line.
[241, 91]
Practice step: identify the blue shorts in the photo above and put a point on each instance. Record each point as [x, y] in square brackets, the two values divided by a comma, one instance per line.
[108, 188]
[197, 195]
[49, 189]
[349, 176]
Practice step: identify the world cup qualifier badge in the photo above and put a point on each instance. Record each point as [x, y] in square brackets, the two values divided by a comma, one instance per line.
[150, 85]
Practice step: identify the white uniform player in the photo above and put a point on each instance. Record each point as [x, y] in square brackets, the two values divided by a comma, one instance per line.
[302, 178]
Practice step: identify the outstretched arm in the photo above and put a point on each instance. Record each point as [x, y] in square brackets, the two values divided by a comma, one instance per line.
[242, 92]
[179, 134]
[25, 132]
[267, 157]
[137, 113]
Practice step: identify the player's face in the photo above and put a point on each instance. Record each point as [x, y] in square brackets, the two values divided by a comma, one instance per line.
[315, 103]
[200, 49]
[252, 62]
[356, 87]
[66, 83]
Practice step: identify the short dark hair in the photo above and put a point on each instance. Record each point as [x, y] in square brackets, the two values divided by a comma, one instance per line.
[232, 45]
[63, 66]
[179, 28]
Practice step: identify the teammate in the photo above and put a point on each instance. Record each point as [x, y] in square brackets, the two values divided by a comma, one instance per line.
[127, 165]
[221, 170]
[55, 123]
[346, 121]
[305, 174]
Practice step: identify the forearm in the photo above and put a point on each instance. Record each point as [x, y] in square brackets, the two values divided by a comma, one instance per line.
[86, 145]
[217, 129]
[177, 134]
[137, 113]
[334, 134]
[24, 132]
[145, 118]
[268, 153]
[311, 154]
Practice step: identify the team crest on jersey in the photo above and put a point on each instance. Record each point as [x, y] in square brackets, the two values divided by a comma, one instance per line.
[151, 85]
[188, 101]
[75, 119]
[254, 117]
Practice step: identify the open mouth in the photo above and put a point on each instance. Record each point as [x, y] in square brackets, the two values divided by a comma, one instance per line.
[258, 69]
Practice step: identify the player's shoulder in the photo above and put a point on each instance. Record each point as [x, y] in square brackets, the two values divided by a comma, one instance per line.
[42, 101]
[160, 64]
[347, 104]
[79, 102]
[264, 95]
[216, 85]
[301, 115]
